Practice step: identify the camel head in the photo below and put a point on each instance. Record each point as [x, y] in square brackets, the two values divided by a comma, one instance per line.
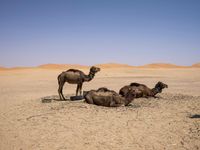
[160, 85]
[131, 92]
[94, 69]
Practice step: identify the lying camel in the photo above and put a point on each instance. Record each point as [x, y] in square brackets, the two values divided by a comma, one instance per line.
[108, 98]
[104, 89]
[142, 90]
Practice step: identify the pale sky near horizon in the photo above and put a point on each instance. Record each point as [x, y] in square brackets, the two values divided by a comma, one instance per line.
[88, 32]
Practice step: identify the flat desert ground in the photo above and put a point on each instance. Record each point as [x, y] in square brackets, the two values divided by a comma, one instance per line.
[165, 123]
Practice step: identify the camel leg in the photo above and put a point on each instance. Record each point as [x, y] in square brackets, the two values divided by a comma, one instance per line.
[60, 90]
[80, 88]
[77, 89]
[114, 104]
[156, 97]
[88, 100]
[62, 94]
[117, 102]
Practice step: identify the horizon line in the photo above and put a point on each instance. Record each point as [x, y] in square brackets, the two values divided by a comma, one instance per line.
[109, 63]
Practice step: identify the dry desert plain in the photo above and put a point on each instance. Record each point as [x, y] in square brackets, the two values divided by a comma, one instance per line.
[165, 123]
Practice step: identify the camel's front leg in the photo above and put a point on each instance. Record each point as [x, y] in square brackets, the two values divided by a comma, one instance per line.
[114, 104]
[77, 89]
[80, 88]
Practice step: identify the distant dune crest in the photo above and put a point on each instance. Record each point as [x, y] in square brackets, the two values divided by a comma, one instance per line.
[113, 65]
[163, 65]
[60, 66]
[2, 68]
[103, 66]
[196, 65]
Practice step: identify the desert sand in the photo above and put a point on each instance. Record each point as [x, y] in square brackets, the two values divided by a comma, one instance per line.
[164, 123]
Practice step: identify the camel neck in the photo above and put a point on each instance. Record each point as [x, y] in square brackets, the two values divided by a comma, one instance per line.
[128, 99]
[155, 91]
[90, 76]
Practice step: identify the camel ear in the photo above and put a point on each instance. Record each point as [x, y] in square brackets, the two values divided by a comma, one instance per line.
[159, 83]
[92, 68]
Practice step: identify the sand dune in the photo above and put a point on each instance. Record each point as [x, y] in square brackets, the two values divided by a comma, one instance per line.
[15, 68]
[197, 65]
[162, 65]
[2, 68]
[103, 66]
[113, 65]
[61, 66]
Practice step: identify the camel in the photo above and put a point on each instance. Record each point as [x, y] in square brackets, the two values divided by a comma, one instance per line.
[142, 90]
[74, 76]
[108, 98]
[104, 89]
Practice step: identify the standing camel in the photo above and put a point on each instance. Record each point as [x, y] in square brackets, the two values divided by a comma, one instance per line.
[73, 76]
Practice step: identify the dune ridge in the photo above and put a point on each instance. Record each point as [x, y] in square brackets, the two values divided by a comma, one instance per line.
[103, 66]
[2, 68]
[162, 65]
[114, 65]
[61, 66]
[197, 65]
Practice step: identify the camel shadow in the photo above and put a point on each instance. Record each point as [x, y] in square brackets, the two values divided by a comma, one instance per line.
[195, 116]
[49, 99]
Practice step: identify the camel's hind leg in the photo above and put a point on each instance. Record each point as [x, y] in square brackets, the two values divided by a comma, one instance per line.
[88, 99]
[60, 91]
[60, 88]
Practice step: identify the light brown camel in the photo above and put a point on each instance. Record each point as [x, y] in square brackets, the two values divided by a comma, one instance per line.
[142, 90]
[108, 98]
[73, 76]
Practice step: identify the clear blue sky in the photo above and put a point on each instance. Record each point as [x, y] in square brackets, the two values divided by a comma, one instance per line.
[88, 32]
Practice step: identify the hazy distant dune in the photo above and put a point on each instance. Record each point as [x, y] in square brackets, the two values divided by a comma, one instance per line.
[103, 66]
[114, 65]
[197, 65]
[2, 68]
[162, 65]
[61, 66]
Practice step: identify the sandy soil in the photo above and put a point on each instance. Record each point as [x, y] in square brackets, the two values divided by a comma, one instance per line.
[28, 124]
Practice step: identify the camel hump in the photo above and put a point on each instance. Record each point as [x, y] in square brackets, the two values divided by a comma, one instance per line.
[135, 84]
[75, 71]
[103, 89]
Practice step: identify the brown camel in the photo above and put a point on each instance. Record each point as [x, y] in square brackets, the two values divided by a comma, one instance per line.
[108, 98]
[142, 90]
[73, 76]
